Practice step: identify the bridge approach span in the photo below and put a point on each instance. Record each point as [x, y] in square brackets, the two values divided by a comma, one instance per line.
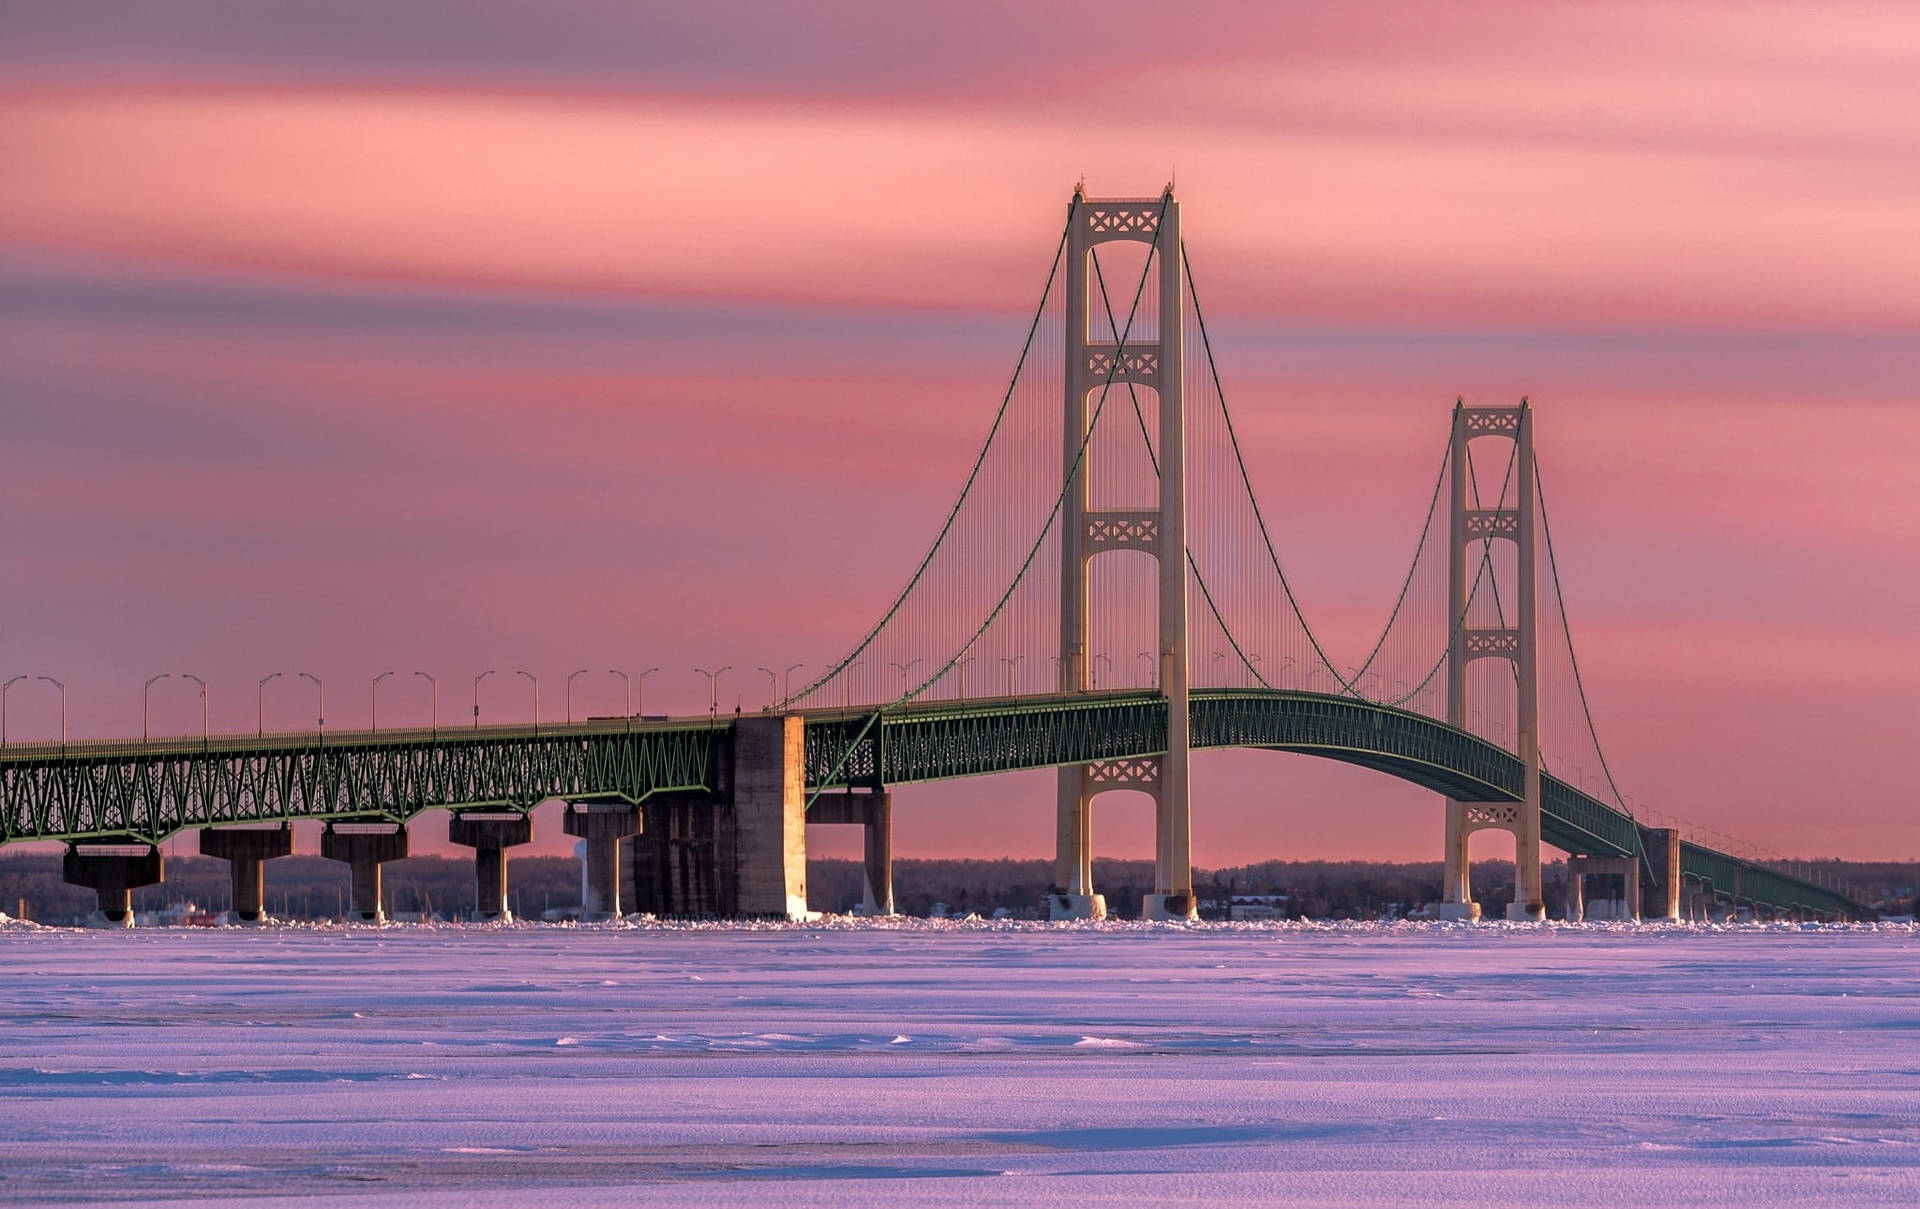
[147, 791]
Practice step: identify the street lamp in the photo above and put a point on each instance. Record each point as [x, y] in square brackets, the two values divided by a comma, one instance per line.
[773, 686]
[570, 676]
[321, 685]
[1148, 656]
[203, 705]
[628, 681]
[536, 700]
[476, 696]
[260, 705]
[1221, 655]
[1012, 661]
[713, 690]
[962, 665]
[904, 669]
[1099, 659]
[63, 707]
[436, 700]
[146, 691]
[1059, 665]
[4, 688]
[376, 700]
[786, 681]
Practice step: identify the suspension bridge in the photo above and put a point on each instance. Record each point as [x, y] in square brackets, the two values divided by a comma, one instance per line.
[1104, 598]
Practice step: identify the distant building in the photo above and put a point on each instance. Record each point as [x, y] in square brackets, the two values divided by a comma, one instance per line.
[1257, 906]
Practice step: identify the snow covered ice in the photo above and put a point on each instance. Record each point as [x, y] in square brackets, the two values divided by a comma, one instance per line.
[964, 1064]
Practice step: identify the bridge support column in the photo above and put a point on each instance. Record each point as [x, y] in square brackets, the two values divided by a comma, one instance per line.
[247, 851]
[364, 847]
[1661, 889]
[1475, 527]
[1157, 363]
[603, 825]
[770, 812]
[872, 811]
[1626, 868]
[490, 833]
[1457, 892]
[113, 871]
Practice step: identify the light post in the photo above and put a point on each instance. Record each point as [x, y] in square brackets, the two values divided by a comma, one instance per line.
[628, 681]
[321, 685]
[962, 665]
[1058, 664]
[640, 694]
[1220, 655]
[905, 669]
[146, 692]
[260, 705]
[536, 700]
[846, 684]
[1012, 662]
[786, 681]
[476, 696]
[203, 706]
[63, 708]
[1313, 671]
[1253, 669]
[436, 701]
[570, 676]
[4, 689]
[1099, 659]
[773, 686]
[376, 700]
[713, 690]
[1148, 656]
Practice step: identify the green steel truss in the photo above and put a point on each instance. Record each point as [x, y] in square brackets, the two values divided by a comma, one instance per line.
[152, 790]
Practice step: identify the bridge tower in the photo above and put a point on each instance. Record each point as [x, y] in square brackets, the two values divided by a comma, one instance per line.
[1517, 642]
[1157, 363]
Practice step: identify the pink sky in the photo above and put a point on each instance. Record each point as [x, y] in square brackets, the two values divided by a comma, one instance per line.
[453, 337]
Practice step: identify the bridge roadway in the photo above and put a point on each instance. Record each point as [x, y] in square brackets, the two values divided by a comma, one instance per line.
[148, 790]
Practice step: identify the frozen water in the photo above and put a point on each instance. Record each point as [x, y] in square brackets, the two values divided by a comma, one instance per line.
[953, 1064]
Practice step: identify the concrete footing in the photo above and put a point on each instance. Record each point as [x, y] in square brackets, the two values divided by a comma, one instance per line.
[490, 833]
[247, 851]
[1579, 868]
[365, 847]
[113, 871]
[1525, 913]
[1076, 906]
[874, 812]
[603, 825]
[1168, 906]
[1468, 912]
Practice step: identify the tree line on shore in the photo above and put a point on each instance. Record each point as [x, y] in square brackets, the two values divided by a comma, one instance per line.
[312, 888]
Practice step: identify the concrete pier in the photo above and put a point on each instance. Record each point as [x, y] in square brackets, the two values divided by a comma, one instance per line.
[603, 825]
[365, 847]
[1579, 868]
[874, 812]
[490, 833]
[1662, 894]
[247, 851]
[769, 812]
[113, 871]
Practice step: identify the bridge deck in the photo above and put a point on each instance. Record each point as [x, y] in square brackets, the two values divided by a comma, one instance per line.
[154, 789]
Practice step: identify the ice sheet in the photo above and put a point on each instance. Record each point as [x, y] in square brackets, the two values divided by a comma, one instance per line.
[953, 1064]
